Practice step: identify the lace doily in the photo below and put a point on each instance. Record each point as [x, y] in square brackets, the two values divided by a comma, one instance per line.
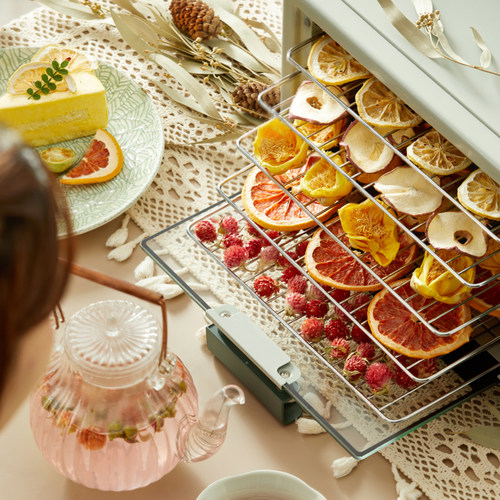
[442, 463]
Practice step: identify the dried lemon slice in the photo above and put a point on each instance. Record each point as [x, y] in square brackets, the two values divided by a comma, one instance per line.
[380, 107]
[369, 229]
[433, 281]
[325, 183]
[78, 61]
[329, 63]
[481, 195]
[26, 75]
[437, 155]
[58, 159]
[278, 148]
[320, 135]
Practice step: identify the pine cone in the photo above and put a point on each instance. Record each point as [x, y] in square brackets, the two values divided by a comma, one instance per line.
[195, 18]
[246, 94]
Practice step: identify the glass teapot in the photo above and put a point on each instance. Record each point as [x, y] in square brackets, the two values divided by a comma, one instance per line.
[115, 410]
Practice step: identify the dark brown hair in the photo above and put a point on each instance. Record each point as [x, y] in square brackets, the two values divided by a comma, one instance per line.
[34, 261]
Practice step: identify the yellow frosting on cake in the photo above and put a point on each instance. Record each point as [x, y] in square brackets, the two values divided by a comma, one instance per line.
[58, 116]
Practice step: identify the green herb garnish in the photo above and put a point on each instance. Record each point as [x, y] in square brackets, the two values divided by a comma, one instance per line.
[47, 84]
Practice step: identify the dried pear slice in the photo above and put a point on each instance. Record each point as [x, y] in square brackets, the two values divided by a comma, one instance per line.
[408, 191]
[312, 104]
[456, 231]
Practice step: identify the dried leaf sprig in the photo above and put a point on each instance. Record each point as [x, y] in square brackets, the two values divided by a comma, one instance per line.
[235, 52]
[54, 73]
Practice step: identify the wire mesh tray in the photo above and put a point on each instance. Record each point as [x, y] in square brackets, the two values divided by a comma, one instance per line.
[420, 376]
[360, 421]
[484, 282]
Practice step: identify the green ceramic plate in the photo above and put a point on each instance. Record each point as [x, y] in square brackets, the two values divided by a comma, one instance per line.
[133, 120]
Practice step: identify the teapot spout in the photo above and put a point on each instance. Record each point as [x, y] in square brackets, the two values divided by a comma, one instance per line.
[206, 436]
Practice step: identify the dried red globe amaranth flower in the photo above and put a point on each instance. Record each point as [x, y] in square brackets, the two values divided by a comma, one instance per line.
[205, 231]
[235, 256]
[336, 328]
[312, 329]
[91, 438]
[265, 286]
[296, 303]
[354, 367]
[339, 348]
[379, 376]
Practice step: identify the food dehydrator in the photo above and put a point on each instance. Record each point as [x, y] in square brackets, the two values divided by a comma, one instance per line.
[258, 338]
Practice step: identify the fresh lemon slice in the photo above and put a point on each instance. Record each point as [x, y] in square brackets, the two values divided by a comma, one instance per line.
[102, 161]
[481, 195]
[58, 159]
[380, 107]
[325, 183]
[78, 61]
[26, 75]
[437, 155]
[329, 63]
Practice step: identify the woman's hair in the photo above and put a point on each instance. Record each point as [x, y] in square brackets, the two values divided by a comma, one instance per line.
[34, 261]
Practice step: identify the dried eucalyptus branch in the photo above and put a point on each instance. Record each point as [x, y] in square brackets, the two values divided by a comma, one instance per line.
[430, 23]
[196, 43]
[427, 34]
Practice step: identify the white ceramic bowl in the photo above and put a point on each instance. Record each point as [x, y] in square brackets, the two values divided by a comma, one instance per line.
[261, 485]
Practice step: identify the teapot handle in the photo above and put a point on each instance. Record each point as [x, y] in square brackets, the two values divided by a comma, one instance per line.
[130, 289]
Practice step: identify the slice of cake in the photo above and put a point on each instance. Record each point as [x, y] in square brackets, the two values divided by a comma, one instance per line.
[76, 108]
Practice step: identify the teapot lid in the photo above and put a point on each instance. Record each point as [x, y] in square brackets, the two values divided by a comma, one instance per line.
[113, 343]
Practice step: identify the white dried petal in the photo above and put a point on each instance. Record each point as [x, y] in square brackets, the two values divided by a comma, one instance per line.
[308, 426]
[201, 335]
[145, 269]
[343, 466]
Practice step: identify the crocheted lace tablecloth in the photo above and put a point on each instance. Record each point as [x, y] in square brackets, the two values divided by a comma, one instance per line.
[444, 464]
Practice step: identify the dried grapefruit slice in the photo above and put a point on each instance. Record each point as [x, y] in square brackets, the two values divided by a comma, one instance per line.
[397, 328]
[267, 205]
[436, 154]
[380, 107]
[330, 264]
[329, 63]
[102, 161]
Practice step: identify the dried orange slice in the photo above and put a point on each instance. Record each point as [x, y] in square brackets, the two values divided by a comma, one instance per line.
[397, 328]
[267, 205]
[329, 63]
[102, 161]
[26, 75]
[437, 155]
[481, 195]
[380, 107]
[486, 296]
[78, 61]
[330, 264]
[278, 148]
